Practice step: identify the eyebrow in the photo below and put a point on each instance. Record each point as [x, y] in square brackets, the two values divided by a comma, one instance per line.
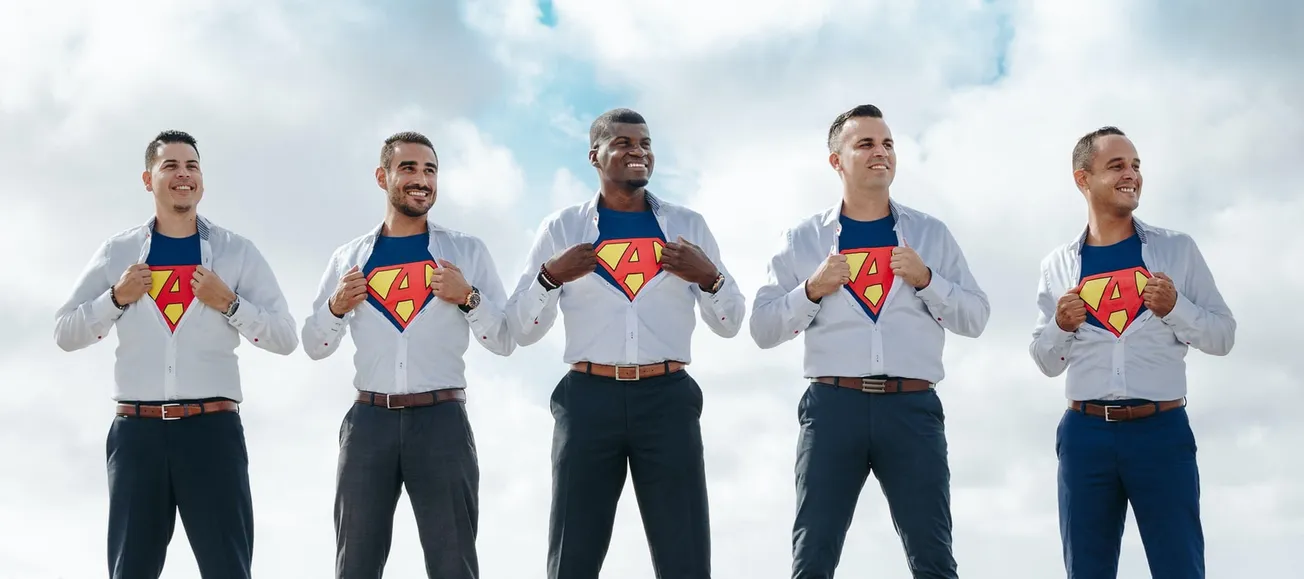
[871, 139]
[413, 164]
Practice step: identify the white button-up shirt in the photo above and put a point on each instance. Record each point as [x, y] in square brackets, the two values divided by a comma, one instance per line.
[1148, 360]
[907, 339]
[428, 355]
[197, 360]
[602, 325]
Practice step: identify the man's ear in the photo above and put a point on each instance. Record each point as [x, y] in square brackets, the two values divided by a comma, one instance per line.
[148, 179]
[593, 156]
[382, 179]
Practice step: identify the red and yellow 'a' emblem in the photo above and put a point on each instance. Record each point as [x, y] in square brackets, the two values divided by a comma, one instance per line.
[1114, 298]
[631, 262]
[171, 291]
[871, 277]
[401, 290]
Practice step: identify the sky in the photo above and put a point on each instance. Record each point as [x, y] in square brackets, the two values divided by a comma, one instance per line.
[290, 101]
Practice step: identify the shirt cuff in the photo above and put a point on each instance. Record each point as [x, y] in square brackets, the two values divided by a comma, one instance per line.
[936, 291]
[801, 306]
[103, 308]
[242, 315]
[1182, 314]
[327, 323]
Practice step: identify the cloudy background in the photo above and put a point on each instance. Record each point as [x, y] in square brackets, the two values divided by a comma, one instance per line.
[290, 101]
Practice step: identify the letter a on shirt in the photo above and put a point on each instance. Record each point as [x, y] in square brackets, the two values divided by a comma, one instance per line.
[398, 277]
[868, 247]
[1113, 277]
[172, 262]
[629, 249]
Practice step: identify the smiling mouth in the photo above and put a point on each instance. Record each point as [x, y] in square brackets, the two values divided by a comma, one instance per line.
[637, 165]
[418, 194]
[878, 167]
[1128, 190]
[184, 188]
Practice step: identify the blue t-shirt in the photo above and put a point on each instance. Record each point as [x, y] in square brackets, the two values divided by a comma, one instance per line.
[398, 277]
[868, 247]
[629, 248]
[1111, 283]
[172, 262]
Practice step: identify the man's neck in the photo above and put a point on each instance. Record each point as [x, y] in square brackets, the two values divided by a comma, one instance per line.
[400, 225]
[1108, 229]
[619, 197]
[865, 205]
[169, 223]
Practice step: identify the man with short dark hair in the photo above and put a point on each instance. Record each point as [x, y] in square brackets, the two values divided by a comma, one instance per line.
[875, 285]
[1120, 306]
[414, 293]
[181, 291]
[626, 269]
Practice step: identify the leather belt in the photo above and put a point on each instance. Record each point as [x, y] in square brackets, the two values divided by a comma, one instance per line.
[175, 411]
[877, 385]
[397, 401]
[1112, 413]
[630, 372]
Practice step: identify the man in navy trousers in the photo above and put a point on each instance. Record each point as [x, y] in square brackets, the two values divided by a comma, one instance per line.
[1120, 306]
[181, 292]
[875, 285]
[627, 270]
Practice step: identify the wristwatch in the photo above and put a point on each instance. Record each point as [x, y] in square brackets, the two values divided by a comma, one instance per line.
[235, 305]
[472, 300]
[719, 283]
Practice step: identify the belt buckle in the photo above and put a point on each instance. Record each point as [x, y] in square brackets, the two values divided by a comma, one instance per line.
[873, 385]
[163, 412]
[1107, 409]
[636, 368]
[390, 406]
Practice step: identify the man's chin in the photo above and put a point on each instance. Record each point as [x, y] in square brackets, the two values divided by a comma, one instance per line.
[635, 184]
[410, 211]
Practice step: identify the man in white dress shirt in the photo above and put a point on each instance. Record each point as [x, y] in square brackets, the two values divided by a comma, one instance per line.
[874, 285]
[180, 291]
[626, 269]
[1120, 306]
[413, 293]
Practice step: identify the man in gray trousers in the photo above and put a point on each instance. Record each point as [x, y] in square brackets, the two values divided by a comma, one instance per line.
[412, 292]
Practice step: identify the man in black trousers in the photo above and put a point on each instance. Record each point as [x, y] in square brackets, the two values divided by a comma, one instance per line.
[414, 293]
[626, 269]
[181, 291]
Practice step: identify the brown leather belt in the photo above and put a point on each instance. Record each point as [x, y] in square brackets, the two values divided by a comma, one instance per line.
[877, 385]
[175, 411]
[628, 373]
[397, 401]
[1113, 413]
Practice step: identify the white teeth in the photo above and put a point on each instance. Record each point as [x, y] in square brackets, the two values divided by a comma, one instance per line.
[880, 166]
[1127, 189]
[639, 165]
[183, 188]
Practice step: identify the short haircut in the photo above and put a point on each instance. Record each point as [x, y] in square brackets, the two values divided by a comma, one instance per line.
[163, 138]
[835, 129]
[1085, 151]
[600, 130]
[413, 137]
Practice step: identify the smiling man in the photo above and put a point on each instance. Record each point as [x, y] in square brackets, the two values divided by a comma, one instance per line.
[413, 293]
[626, 269]
[180, 291]
[1119, 307]
[875, 285]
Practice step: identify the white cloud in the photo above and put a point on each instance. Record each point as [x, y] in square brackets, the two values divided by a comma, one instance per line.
[291, 112]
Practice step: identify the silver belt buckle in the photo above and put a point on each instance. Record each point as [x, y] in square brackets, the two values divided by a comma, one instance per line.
[1107, 409]
[164, 412]
[873, 385]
